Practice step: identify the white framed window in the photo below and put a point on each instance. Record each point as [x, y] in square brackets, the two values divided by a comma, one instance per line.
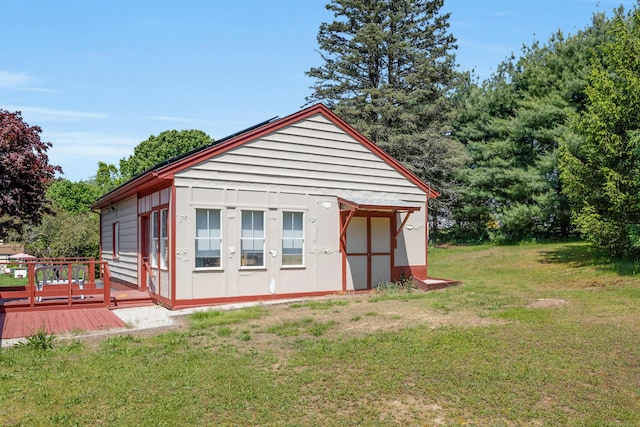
[116, 240]
[208, 238]
[164, 238]
[252, 239]
[154, 241]
[292, 239]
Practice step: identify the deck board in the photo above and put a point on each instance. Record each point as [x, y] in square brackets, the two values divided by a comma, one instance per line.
[24, 324]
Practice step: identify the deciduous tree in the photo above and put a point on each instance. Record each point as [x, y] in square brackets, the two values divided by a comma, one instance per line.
[25, 173]
[156, 149]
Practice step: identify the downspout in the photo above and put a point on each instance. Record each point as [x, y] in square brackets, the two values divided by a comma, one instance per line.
[172, 245]
[426, 222]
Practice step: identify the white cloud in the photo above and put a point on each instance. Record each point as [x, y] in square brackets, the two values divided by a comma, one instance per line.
[11, 80]
[105, 147]
[182, 120]
[40, 114]
[79, 152]
[20, 81]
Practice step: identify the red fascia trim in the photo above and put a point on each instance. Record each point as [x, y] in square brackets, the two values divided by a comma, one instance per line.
[144, 183]
[170, 170]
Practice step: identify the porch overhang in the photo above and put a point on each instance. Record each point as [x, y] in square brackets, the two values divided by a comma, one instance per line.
[379, 205]
[350, 207]
[354, 205]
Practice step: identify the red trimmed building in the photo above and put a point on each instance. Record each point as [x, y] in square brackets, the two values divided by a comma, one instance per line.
[298, 206]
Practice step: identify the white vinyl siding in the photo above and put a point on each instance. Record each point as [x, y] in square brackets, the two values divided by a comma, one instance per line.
[120, 244]
[252, 239]
[292, 239]
[309, 157]
[208, 238]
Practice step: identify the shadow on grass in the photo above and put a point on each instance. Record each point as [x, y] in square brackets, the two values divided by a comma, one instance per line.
[583, 255]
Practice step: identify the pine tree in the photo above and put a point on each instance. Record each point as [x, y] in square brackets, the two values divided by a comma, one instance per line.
[389, 71]
[512, 127]
[601, 168]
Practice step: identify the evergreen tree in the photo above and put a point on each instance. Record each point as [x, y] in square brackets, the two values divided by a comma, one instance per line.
[601, 168]
[512, 126]
[389, 70]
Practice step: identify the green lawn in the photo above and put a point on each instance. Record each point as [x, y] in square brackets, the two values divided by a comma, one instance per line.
[536, 335]
[7, 280]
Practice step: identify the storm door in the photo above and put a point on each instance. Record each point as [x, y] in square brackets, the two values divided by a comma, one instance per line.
[368, 250]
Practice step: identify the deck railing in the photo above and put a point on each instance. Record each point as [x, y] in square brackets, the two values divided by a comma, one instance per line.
[60, 283]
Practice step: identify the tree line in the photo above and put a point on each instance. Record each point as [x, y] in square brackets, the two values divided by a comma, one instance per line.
[547, 147]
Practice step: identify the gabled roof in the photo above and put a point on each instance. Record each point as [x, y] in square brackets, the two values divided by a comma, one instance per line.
[10, 248]
[166, 170]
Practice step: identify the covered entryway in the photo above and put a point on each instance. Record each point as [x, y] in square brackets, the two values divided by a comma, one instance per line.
[368, 237]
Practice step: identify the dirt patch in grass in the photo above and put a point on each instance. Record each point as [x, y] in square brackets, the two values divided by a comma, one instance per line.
[282, 326]
[548, 303]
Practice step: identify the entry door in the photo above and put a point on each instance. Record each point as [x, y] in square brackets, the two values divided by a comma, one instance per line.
[368, 251]
[145, 273]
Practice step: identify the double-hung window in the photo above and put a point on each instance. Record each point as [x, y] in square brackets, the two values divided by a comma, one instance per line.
[159, 241]
[252, 239]
[208, 238]
[164, 238]
[292, 239]
[155, 232]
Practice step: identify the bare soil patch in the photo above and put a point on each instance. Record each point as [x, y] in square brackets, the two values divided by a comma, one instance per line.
[548, 303]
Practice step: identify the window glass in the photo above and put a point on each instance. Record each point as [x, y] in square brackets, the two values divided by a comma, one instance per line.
[153, 250]
[252, 239]
[292, 238]
[208, 238]
[164, 247]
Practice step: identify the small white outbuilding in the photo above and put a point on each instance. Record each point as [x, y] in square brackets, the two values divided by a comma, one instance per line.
[298, 206]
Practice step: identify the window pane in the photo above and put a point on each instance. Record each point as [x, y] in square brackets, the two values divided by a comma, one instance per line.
[153, 255]
[202, 223]
[164, 252]
[207, 262]
[154, 224]
[214, 223]
[247, 223]
[297, 222]
[258, 224]
[287, 221]
[163, 223]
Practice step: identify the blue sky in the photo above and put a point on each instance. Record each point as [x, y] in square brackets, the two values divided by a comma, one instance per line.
[101, 76]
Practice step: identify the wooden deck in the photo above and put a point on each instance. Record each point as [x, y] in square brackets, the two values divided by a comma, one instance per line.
[24, 323]
[21, 324]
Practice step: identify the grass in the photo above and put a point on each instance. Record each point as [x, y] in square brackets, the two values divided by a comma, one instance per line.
[511, 362]
[7, 280]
